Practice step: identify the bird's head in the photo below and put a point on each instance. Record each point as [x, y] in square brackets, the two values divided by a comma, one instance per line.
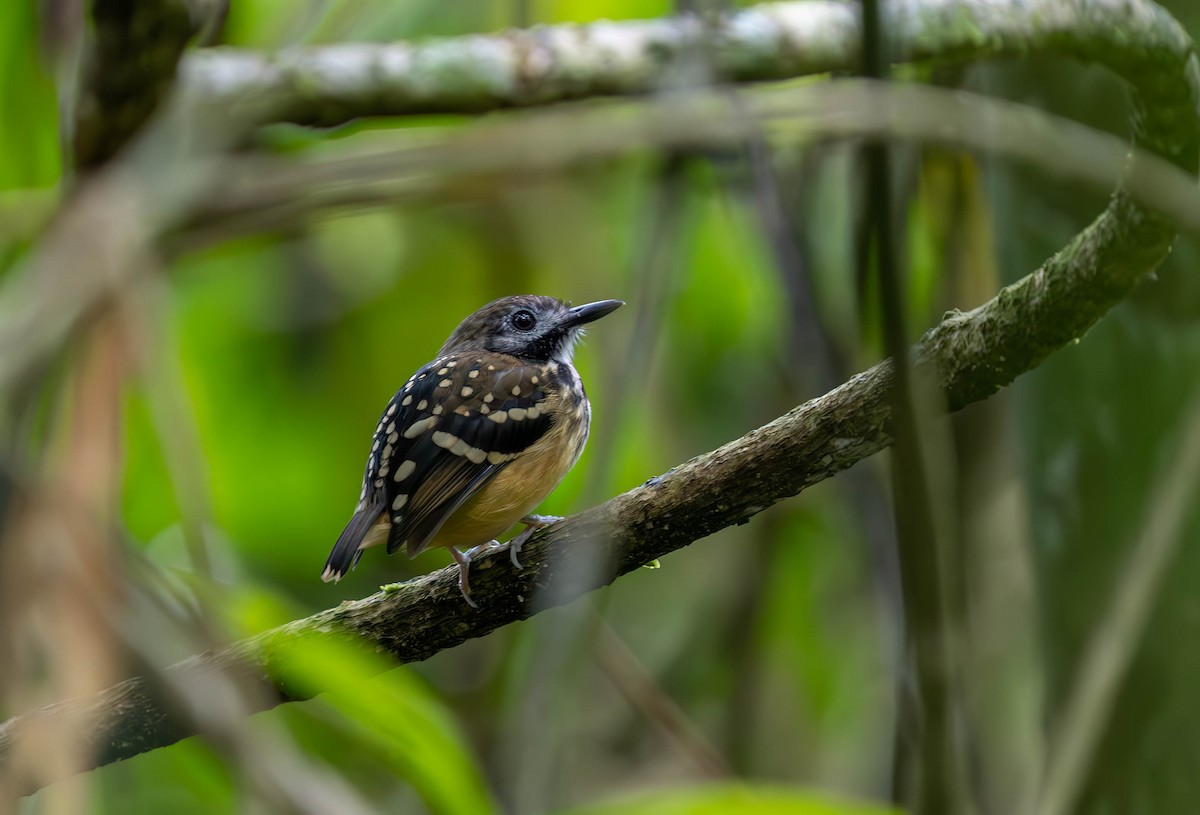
[527, 326]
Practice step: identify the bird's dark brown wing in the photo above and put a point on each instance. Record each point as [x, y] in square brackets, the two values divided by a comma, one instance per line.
[452, 427]
[481, 412]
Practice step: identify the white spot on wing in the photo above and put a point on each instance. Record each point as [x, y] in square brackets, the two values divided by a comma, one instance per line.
[418, 427]
[405, 469]
[466, 391]
[499, 417]
[398, 502]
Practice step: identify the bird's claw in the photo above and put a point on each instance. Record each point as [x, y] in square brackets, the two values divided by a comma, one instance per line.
[532, 524]
[463, 559]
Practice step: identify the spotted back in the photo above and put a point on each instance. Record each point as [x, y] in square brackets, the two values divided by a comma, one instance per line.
[450, 429]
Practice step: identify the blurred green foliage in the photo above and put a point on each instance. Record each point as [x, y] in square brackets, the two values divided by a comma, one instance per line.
[31, 150]
[747, 800]
[776, 638]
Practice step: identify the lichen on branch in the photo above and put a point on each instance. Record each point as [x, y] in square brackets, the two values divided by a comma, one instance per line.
[330, 84]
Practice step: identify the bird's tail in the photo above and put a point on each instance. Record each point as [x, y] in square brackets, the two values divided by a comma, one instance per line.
[350, 543]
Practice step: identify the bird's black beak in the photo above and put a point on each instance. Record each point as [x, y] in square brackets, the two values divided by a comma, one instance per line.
[590, 312]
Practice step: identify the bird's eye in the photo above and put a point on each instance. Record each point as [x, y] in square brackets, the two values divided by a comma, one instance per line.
[524, 320]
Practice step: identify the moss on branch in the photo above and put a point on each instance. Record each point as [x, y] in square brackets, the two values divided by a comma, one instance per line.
[329, 85]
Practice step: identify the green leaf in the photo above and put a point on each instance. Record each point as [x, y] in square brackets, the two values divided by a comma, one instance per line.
[735, 799]
[29, 152]
[398, 718]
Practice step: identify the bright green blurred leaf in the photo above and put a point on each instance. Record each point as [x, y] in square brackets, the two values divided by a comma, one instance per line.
[402, 722]
[29, 153]
[737, 799]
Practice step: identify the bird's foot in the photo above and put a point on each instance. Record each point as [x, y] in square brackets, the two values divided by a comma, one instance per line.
[532, 524]
[463, 559]
[538, 521]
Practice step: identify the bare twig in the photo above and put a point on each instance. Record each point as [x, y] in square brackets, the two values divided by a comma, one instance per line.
[928, 774]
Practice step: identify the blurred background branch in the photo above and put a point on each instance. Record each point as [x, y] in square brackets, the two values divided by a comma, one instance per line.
[119, 92]
[264, 193]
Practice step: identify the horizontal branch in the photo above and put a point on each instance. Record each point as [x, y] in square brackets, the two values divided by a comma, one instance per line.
[332, 84]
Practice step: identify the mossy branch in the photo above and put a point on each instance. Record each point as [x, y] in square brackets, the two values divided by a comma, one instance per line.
[331, 84]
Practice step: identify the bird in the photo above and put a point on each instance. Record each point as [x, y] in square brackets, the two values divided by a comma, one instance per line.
[477, 438]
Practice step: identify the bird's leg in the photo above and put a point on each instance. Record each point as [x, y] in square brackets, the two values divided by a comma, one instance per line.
[532, 524]
[463, 559]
